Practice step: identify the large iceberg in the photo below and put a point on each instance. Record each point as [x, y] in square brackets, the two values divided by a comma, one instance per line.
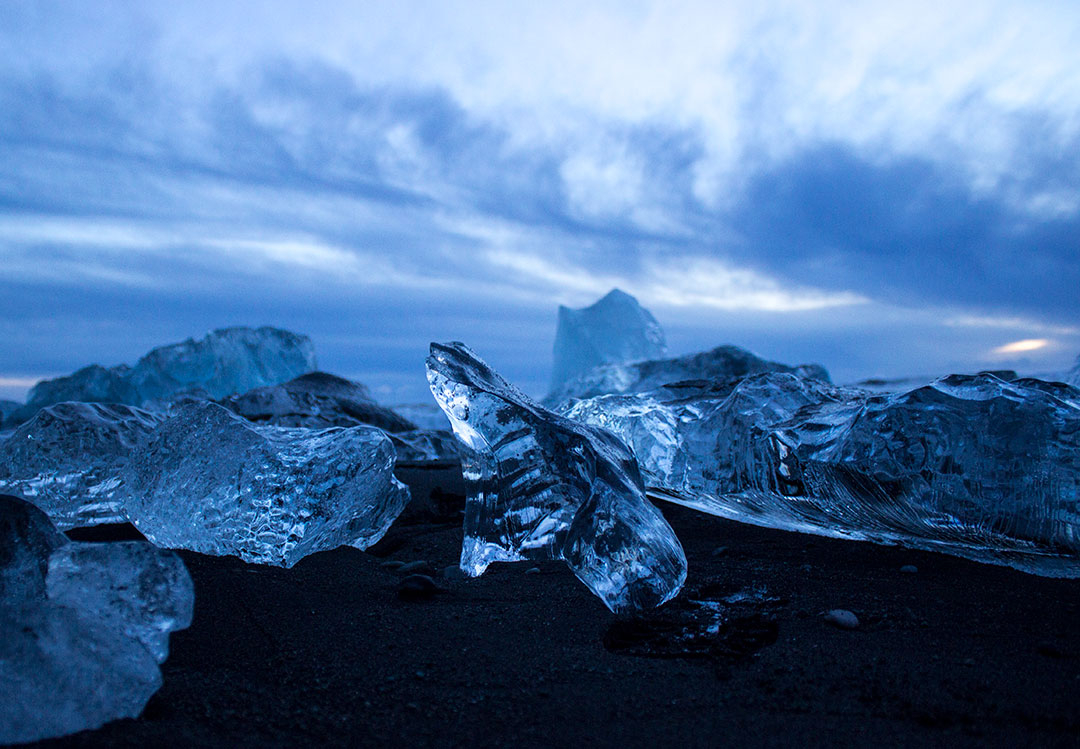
[68, 460]
[614, 330]
[7, 409]
[225, 361]
[721, 364]
[970, 464]
[1073, 377]
[206, 479]
[83, 626]
[543, 487]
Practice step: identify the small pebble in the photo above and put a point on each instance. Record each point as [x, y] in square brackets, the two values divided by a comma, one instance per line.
[532, 571]
[453, 572]
[909, 569]
[392, 564]
[842, 618]
[417, 588]
[418, 567]
[719, 551]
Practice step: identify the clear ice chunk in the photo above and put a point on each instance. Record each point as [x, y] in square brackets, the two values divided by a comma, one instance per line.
[543, 487]
[970, 465]
[721, 364]
[207, 480]
[83, 627]
[68, 460]
[614, 330]
[225, 361]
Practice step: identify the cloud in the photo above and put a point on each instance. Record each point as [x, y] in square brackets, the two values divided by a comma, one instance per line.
[424, 167]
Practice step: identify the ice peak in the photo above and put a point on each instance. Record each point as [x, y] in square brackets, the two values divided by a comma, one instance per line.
[614, 330]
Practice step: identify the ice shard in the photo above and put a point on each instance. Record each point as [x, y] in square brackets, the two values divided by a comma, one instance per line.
[721, 364]
[970, 464]
[614, 330]
[225, 361]
[83, 627]
[68, 460]
[207, 480]
[543, 487]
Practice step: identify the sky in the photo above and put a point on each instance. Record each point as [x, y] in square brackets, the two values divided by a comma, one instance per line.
[887, 189]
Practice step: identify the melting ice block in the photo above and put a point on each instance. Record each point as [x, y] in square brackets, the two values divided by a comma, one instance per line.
[83, 627]
[207, 480]
[721, 364]
[544, 487]
[226, 361]
[614, 330]
[971, 464]
[68, 460]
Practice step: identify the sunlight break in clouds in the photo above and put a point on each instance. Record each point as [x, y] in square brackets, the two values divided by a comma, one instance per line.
[1019, 347]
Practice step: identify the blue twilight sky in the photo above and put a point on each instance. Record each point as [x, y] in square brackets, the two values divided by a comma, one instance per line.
[885, 188]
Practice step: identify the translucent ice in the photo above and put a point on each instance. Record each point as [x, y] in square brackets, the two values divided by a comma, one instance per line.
[544, 487]
[721, 364]
[226, 361]
[207, 480]
[971, 464]
[83, 627]
[68, 459]
[316, 400]
[614, 330]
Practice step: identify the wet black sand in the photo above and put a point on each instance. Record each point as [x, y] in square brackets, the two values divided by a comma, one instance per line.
[327, 653]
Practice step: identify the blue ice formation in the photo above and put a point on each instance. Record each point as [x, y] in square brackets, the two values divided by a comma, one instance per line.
[83, 627]
[543, 487]
[971, 465]
[614, 330]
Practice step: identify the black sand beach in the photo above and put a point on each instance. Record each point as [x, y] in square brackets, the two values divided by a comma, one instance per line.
[328, 653]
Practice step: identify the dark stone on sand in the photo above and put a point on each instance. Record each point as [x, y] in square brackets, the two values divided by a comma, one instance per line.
[419, 567]
[417, 588]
